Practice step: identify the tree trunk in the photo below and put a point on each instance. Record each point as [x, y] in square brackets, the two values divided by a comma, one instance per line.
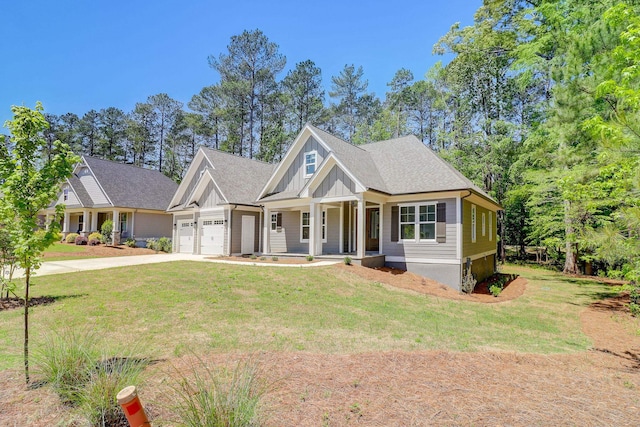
[26, 324]
[571, 261]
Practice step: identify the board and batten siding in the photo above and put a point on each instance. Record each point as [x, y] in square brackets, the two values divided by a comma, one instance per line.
[149, 225]
[335, 184]
[287, 238]
[430, 250]
[210, 197]
[194, 181]
[236, 230]
[294, 178]
[482, 243]
[91, 185]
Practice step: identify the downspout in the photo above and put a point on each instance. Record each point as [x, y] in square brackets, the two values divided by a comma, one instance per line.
[261, 229]
[230, 229]
[463, 270]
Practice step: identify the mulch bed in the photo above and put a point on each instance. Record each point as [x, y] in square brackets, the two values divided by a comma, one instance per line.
[13, 302]
[101, 251]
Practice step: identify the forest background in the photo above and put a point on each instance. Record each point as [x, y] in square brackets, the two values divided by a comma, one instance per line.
[539, 106]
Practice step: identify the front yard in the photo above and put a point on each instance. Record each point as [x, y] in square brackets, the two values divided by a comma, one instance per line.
[346, 350]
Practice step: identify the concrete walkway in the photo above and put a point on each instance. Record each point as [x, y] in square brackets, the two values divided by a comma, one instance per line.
[70, 266]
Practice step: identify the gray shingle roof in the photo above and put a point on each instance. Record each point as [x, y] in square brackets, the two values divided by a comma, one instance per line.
[398, 166]
[130, 186]
[80, 191]
[240, 179]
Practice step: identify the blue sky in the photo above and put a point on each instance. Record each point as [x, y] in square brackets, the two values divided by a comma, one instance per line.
[80, 55]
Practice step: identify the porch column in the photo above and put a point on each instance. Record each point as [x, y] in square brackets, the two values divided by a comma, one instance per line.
[380, 228]
[85, 220]
[116, 228]
[65, 223]
[312, 229]
[341, 229]
[266, 227]
[350, 227]
[94, 221]
[133, 217]
[360, 239]
[318, 231]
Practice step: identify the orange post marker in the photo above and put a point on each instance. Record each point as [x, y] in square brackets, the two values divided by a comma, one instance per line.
[132, 408]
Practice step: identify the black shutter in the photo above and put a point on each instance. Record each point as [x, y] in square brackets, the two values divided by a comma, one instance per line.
[395, 221]
[441, 222]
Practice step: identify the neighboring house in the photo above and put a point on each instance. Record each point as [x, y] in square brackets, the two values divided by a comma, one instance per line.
[393, 203]
[214, 210]
[135, 199]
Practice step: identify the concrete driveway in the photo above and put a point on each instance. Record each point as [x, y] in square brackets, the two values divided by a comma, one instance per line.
[70, 266]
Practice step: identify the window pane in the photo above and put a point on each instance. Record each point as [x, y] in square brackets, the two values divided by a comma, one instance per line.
[407, 231]
[305, 218]
[427, 213]
[427, 231]
[407, 214]
[305, 233]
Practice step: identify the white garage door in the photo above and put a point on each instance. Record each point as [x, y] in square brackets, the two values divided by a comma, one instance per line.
[185, 236]
[212, 237]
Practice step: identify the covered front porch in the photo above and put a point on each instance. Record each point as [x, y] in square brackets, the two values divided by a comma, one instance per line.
[84, 222]
[333, 227]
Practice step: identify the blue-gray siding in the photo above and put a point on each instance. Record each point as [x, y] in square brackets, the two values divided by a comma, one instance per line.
[91, 185]
[335, 184]
[294, 178]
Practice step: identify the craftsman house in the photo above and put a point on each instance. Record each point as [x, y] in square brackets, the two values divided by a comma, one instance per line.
[135, 199]
[393, 203]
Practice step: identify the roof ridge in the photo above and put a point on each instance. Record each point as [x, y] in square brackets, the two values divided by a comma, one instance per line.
[456, 171]
[123, 164]
[358, 146]
[236, 156]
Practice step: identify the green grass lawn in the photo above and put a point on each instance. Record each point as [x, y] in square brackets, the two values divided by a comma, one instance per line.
[65, 247]
[172, 308]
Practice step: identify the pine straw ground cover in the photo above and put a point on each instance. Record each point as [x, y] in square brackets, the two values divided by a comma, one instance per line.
[359, 376]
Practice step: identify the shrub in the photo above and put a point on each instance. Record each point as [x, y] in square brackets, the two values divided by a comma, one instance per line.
[347, 260]
[274, 258]
[263, 258]
[81, 240]
[495, 289]
[309, 257]
[164, 244]
[95, 236]
[107, 231]
[635, 309]
[71, 237]
[94, 242]
[153, 244]
[253, 256]
[130, 242]
[211, 398]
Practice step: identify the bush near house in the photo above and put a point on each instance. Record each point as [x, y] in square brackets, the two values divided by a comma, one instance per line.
[95, 236]
[81, 240]
[71, 237]
[94, 242]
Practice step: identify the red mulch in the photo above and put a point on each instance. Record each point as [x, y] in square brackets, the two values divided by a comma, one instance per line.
[101, 251]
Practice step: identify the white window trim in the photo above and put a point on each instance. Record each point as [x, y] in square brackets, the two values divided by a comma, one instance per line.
[324, 225]
[490, 226]
[315, 162]
[65, 194]
[484, 225]
[81, 222]
[125, 222]
[473, 223]
[274, 221]
[417, 222]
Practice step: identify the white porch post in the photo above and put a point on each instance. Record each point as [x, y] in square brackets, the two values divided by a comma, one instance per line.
[360, 239]
[350, 228]
[94, 221]
[115, 235]
[266, 229]
[133, 216]
[65, 223]
[380, 229]
[318, 231]
[85, 220]
[312, 229]
[341, 229]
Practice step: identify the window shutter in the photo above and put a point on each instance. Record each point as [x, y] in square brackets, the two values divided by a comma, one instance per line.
[441, 222]
[395, 221]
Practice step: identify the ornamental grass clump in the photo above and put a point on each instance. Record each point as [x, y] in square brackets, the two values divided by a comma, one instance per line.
[219, 397]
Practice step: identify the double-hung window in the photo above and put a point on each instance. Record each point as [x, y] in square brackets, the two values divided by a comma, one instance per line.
[490, 226]
[305, 226]
[65, 194]
[123, 222]
[310, 160]
[473, 223]
[418, 222]
[276, 221]
[427, 222]
[81, 222]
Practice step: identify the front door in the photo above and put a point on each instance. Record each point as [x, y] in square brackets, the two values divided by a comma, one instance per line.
[373, 230]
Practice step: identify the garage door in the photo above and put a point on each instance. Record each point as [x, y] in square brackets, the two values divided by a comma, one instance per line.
[212, 237]
[185, 236]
